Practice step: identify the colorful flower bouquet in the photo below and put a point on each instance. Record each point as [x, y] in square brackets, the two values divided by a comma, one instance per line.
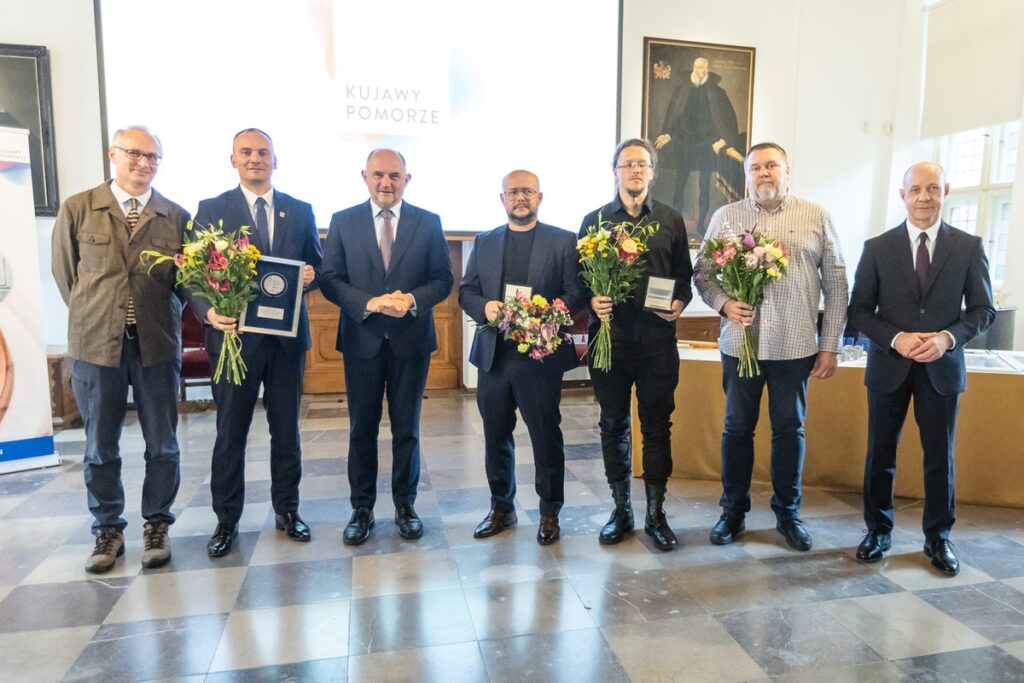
[743, 263]
[535, 325]
[612, 256]
[220, 268]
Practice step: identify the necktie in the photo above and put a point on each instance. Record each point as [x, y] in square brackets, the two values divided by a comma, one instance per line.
[387, 237]
[922, 261]
[133, 220]
[262, 226]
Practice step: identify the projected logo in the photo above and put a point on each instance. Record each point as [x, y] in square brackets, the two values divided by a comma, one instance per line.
[393, 81]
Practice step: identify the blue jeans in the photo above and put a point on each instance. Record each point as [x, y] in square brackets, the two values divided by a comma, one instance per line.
[102, 396]
[787, 406]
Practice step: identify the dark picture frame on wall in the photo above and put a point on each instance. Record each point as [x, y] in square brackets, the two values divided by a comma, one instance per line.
[26, 101]
[697, 110]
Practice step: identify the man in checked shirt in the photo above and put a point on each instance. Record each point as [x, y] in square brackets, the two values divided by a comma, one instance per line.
[790, 349]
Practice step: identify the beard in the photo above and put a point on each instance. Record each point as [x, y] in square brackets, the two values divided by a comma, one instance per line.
[521, 218]
[767, 192]
[697, 81]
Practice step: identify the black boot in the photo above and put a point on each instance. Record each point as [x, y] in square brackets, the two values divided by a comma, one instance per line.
[655, 524]
[621, 520]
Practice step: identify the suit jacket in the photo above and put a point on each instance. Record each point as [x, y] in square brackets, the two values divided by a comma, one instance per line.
[353, 273]
[295, 237]
[886, 300]
[553, 273]
[97, 266]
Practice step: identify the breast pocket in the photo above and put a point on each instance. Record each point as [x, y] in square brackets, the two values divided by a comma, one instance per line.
[168, 247]
[93, 249]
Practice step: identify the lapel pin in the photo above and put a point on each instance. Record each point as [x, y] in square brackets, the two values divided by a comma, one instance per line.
[280, 214]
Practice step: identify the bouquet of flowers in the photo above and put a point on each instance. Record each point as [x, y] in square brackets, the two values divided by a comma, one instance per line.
[612, 257]
[533, 324]
[744, 263]
[219, 267]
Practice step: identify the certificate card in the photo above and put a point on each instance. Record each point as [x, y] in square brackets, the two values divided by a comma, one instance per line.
[512, 291]
[659, 294]
[275, 310]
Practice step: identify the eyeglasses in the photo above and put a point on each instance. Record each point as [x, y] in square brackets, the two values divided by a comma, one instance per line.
[137, 155]
[514, 192]
[642, 165]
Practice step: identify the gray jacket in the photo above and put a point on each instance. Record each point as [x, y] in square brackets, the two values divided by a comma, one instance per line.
[96, 264]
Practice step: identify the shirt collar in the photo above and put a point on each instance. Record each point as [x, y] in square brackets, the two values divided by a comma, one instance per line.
[251, 198]
[122, 196]
[619, 206]
[396, 209]
[914, 232]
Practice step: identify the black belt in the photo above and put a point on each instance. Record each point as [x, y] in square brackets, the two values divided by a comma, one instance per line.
[131, 331]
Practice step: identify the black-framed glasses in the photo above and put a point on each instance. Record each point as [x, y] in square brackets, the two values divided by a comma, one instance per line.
[642, 165]
[514, 192]
[138, 155]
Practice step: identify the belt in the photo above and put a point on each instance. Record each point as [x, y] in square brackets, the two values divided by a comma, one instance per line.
[131, 331]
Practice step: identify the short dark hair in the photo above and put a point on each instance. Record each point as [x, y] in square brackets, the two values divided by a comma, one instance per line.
[765, 145]
[254, 130]
[635, 142]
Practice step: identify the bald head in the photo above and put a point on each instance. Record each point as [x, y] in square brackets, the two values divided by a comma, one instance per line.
[521, 195]
[924, 189]
[386, 177]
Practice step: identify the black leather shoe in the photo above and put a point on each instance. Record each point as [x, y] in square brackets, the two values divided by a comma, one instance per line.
[655, 523]
[548, 531]
[222, 540]
[494, 522]
[726, 529]
[621, 521]
[293, 526]
[943, 557]
[796, 535]
[874, 544]
[409, 524]
[358, 529]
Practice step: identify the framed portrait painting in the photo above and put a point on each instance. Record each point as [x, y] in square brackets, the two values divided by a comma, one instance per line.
[697, 110]
[26, 102]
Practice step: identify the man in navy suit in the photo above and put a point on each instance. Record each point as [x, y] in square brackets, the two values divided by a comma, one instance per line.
[533, 258]
[284, 227]
[921, 293]
[386, 266]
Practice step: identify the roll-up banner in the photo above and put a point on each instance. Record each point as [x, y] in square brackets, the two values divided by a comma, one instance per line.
[26, 425]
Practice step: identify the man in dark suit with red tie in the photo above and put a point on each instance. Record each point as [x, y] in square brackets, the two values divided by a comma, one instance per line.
[524, 254]
[284, 227]
[386, 266]
[922, 292]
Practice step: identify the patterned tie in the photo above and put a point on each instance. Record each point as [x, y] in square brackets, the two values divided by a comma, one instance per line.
[133, 220]
[387, 237]
[262, 226]
[921, 261]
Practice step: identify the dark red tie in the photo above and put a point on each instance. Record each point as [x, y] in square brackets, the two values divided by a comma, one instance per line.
[921, 261]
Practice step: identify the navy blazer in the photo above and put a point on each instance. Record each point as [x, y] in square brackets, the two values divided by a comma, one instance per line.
[886, 300]
[295, 237]
[353, 273]
[553, 273]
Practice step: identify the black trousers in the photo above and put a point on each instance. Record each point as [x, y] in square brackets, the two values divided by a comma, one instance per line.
[280, 374]
[402, 379]
[653, 367]
[936, 422]
[536, 391]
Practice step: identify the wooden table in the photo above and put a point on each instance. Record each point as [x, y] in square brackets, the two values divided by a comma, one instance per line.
[989, 442]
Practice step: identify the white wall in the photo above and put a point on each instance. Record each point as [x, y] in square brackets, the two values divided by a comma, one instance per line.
[825, 88]
[67, 29]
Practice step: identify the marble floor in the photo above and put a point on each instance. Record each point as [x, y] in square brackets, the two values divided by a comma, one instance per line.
[450, 608]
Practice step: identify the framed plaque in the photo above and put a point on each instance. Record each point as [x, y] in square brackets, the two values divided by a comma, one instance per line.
[275, 310]
[659, 294]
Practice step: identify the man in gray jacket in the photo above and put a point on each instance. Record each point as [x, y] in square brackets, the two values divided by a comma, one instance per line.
[124, 329]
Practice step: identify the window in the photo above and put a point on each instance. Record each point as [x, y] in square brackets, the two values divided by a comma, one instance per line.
[980, 168]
